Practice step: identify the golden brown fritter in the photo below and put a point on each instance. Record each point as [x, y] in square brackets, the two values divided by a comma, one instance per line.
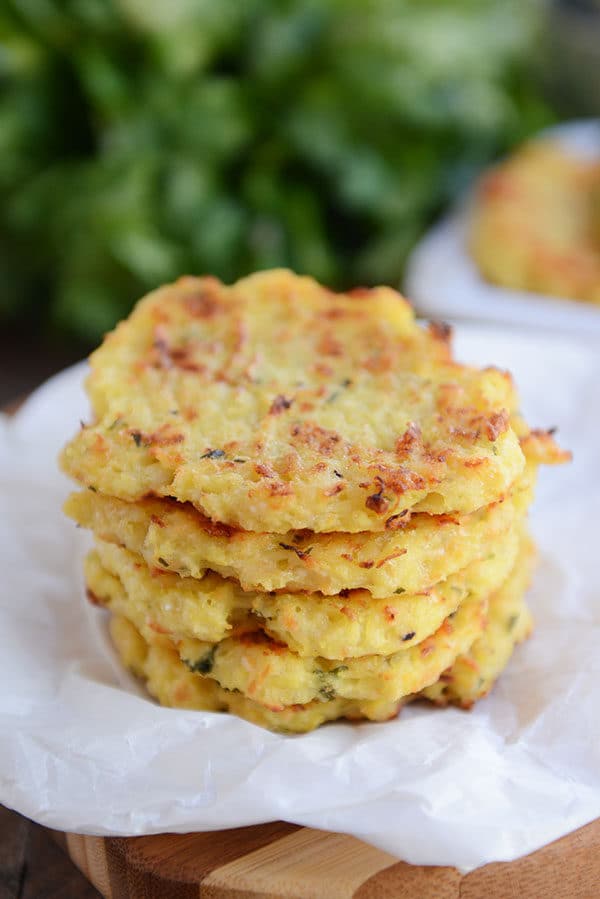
[536, 223]
[275, 405]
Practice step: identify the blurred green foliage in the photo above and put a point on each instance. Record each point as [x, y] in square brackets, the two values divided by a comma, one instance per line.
[141, 139]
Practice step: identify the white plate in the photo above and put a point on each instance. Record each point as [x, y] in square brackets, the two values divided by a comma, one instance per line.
[82, 747]
[443, 281]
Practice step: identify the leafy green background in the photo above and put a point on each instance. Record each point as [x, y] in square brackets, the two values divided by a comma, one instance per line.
[140, 139]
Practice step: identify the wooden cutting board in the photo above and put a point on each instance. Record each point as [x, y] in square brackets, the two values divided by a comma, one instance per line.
[289, 862]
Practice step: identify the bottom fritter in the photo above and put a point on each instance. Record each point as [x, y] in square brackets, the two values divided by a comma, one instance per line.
[173, 684]
[471, 676]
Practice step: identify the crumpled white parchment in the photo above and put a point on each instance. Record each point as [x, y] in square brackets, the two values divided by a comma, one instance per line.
[82, 748]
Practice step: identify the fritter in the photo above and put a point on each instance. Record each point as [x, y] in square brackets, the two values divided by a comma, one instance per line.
[473, 674]
[168, 679]
[536, 223]
[423, 550]
[345, 626]
[272, 675]
[276, 405]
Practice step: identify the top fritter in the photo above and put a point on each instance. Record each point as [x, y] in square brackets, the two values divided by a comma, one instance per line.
[276, 404]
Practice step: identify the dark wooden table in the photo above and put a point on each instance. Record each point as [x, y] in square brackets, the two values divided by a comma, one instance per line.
[26, 361]
[32, 866]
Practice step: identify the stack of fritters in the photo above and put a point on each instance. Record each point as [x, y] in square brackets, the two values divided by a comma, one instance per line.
[304, 508]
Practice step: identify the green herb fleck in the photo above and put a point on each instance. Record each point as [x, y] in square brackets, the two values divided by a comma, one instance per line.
[204, 664]
[213, 454]
[327, 693]
[116, 423]
[137, 438]
[333, 396]
[510, 624]
[163, 562]
[336, 671]
[399, 590]
[92, 488]
[408, 636]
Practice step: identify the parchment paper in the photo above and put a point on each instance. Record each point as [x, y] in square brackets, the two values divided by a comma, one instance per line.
[82, 748]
